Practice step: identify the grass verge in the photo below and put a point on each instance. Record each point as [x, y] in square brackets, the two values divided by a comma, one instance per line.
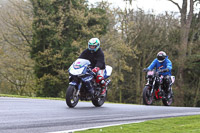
[48, 98]
[18, 96]
[186, 124]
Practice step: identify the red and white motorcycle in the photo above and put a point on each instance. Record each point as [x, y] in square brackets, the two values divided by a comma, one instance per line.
[155, 89]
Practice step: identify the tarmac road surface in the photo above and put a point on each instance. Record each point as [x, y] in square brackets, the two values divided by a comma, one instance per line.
[23, 115]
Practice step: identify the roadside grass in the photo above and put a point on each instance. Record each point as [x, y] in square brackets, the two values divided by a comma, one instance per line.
[18, 96]
[186, 124]
[48, 98]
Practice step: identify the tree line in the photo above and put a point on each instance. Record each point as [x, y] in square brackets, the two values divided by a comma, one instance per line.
[41, 38]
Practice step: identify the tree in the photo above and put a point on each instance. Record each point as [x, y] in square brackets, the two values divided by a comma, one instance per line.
[191, 71]
[188, 31]
[186, 20]
[15, 36]
[61, 29]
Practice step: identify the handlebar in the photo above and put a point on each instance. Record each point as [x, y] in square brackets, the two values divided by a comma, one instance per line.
[159, 70]
[163, 70]
[145, 70]
[93, 73]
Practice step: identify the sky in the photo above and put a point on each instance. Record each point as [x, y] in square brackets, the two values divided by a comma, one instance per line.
[159, 6]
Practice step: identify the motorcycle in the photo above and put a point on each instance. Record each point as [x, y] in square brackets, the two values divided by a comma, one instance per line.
[155, 89]
[79, 72]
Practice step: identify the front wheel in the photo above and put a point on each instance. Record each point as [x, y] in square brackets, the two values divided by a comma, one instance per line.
[98, 102]
[147, 98]
[71, 98]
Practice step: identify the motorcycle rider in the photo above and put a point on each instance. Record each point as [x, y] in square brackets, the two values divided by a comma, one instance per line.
[96, 56]
[164, 65]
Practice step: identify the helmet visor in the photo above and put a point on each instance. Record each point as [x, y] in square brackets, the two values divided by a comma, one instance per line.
[161, 58]
[92, 47]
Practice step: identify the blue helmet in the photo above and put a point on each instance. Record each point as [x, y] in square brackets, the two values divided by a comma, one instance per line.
[93, 44]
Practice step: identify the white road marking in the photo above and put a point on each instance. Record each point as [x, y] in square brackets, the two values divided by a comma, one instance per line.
[155, 116]
[71, 131]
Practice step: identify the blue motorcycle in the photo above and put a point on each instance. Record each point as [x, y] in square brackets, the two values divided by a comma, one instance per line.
[79, 73]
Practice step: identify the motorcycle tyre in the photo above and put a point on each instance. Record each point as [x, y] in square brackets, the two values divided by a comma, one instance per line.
[147, 100]
[71, 101]
[168, 102]
[98, 102]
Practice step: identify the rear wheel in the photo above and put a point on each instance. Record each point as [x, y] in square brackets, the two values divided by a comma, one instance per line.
[147, 99]
[168, 100]
[71, 98]
[98, 102]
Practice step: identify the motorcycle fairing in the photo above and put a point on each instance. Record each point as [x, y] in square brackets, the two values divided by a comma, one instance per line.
[88, 78]
[73, 83]
[173, 79]
[79, 67]
[107, 72]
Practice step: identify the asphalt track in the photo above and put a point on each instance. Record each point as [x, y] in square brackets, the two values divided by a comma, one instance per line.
[23, 115]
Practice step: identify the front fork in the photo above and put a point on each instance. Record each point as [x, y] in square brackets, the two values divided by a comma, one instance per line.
[152, 88]
[76, 86]
[157, 91]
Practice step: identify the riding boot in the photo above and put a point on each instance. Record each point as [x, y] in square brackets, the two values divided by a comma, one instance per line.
[103, 86]
[161, 93]
[169, 89]
[169, 92]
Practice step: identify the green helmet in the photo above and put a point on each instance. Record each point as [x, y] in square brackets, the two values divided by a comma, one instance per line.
[93, 44]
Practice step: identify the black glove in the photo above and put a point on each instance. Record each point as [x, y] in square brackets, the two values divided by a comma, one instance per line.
[145, 69]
